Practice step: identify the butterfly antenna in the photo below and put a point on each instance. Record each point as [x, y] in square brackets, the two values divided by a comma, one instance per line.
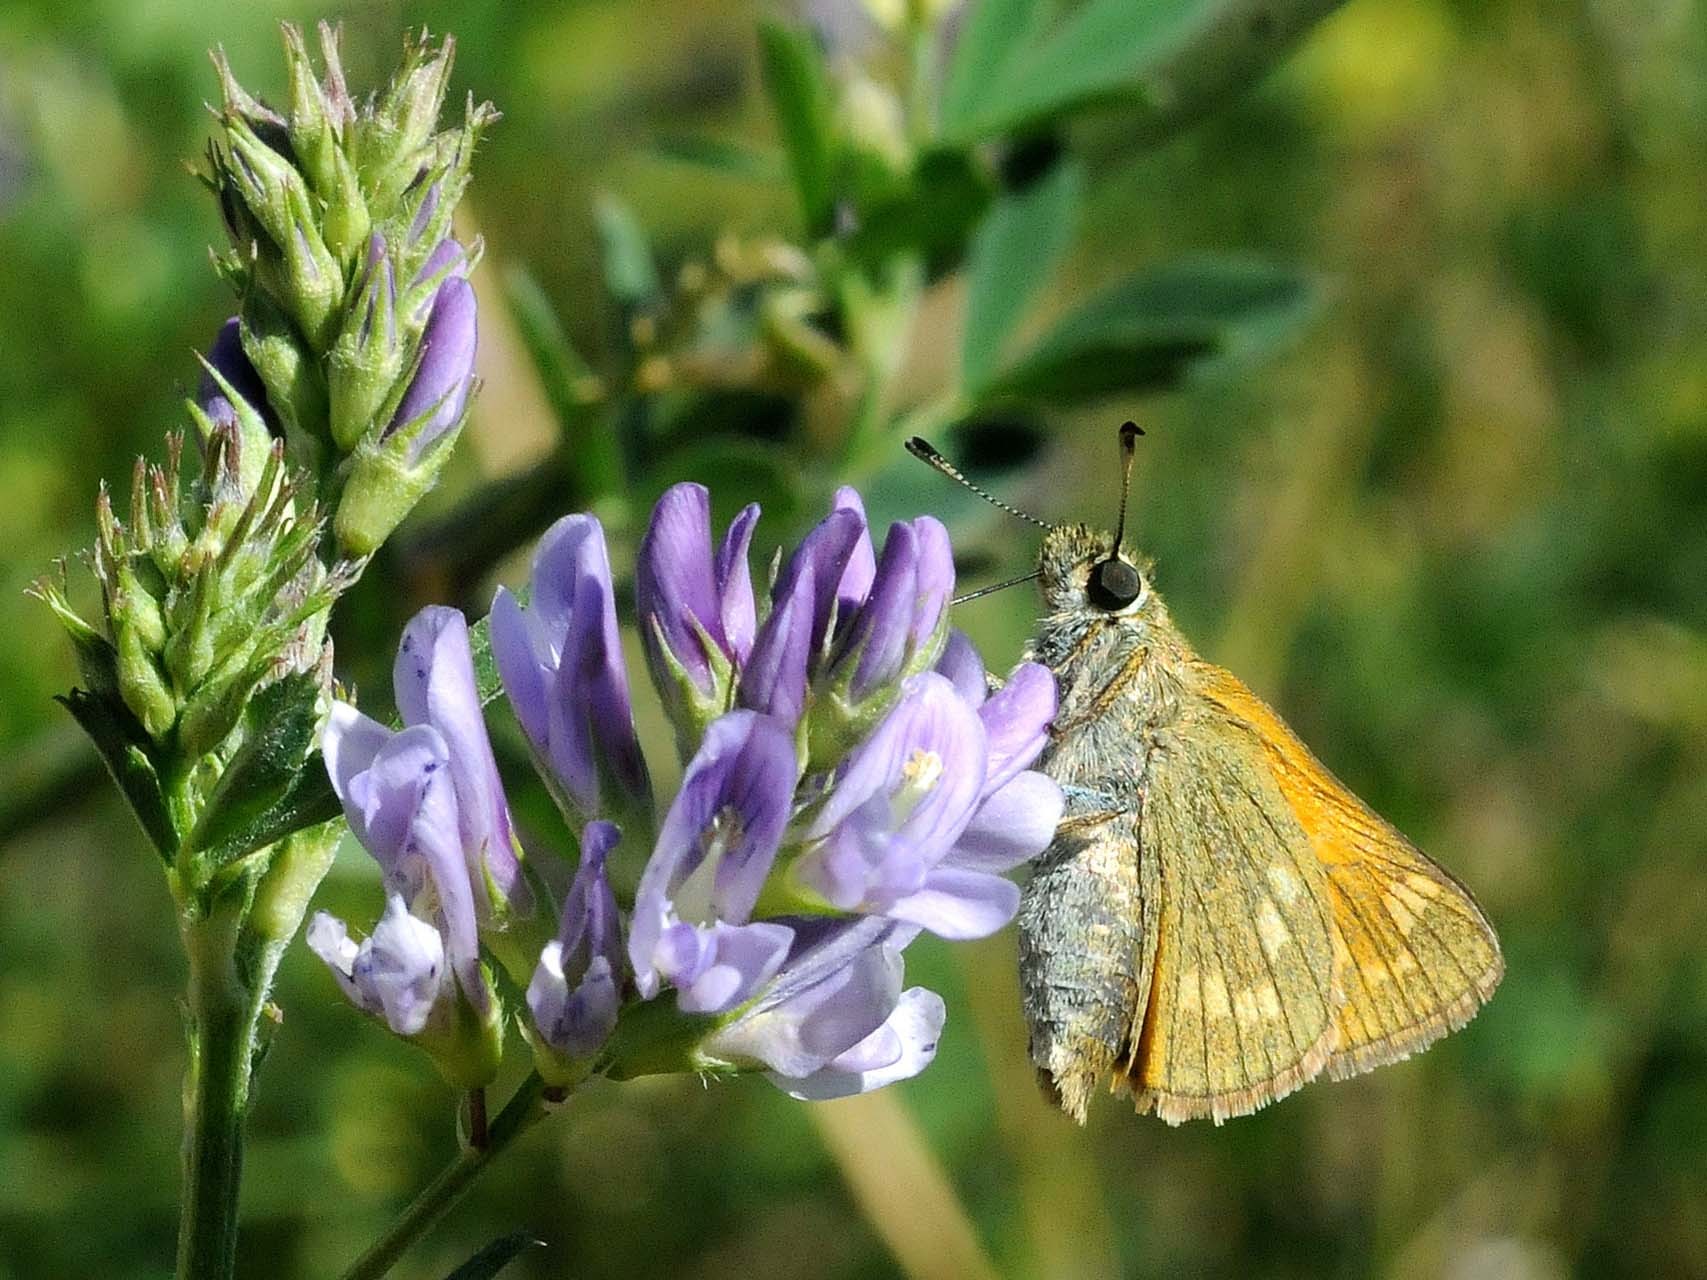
[1000, 586]
[926, 452]
[1129, 433]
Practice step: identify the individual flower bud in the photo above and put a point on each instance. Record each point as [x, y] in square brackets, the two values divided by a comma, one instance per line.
[391, 473]
[141, 683]
[293, 263]
[370, 353]
[576, 988]
[696, 610]
[897, 631]
[806, 605]
[346, 221]
[233, 396]
[295, 389]
[447, 260]
[231, 388]
[401, 125]
[692, 926]
[560, 659]
[313, 129]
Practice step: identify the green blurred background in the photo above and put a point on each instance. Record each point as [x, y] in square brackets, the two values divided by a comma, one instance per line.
[1456, 530]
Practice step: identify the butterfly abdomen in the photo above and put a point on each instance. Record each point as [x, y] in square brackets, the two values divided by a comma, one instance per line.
[1083, 959]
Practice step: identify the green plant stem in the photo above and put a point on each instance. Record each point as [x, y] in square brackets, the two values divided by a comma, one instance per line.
[223, 1018]
[520, 1114]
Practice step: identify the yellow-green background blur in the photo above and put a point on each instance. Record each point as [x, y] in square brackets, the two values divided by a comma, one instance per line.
[1456, 530]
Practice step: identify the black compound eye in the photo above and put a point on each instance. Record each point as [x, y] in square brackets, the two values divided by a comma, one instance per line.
[1114, 584]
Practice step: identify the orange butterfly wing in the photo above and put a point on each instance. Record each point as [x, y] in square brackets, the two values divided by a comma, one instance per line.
[1416, 956]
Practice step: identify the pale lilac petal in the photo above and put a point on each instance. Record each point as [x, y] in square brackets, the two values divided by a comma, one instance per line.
[400, 969]
[674, 582]
[521, 652]
[381, 800]
[819, 1021]
[744, 957]
[1016, 721]
[329, 938]
[959, 904]
[861, 570]
[1013, 826]
[916, 1024]
[880, 631]
[963, 667]
[774, 680]
[434, 683]
[734, 578]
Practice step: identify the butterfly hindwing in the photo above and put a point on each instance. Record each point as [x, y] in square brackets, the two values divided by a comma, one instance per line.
[1418, 957]
[1242, 1003]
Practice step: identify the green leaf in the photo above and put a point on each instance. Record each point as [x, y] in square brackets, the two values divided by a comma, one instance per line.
[1152, 329]
[944, 198]
[280, 724]
[799, 90]
[993, 30]
[630, 274]
[1012, 254]
[124, 747]
[496, 1256]
[307, 802]
[1169, 60]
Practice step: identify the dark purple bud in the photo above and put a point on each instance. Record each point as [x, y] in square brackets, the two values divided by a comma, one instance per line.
[438, 393]
[696, 607]
[576, 989]
[228, 360]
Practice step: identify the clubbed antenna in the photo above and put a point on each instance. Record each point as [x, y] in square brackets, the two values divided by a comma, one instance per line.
[1129, 433]
[927, 453]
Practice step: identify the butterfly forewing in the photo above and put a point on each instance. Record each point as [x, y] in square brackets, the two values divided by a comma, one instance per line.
[1241, 1010]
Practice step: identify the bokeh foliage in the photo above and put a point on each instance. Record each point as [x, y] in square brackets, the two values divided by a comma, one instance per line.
[1457, 530]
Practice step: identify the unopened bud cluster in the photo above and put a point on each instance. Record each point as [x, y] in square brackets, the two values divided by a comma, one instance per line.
[357, 319]
[202, 602]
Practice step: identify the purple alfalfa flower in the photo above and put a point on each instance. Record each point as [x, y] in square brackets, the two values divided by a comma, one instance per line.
[560, 658]
[227, 373]
[437, 394]
[576, 989]
[820, 585]
[835, 1021]
[900, 626]
[1018, 807]
[695, 606]
[419, 971]
[433, 680]
[897, 804]
[935, 804]
[692, 926]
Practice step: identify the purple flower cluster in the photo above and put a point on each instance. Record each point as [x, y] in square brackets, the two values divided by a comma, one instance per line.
[849, 783]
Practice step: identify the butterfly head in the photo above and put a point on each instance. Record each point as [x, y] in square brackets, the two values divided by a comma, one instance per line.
[1084, 570]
